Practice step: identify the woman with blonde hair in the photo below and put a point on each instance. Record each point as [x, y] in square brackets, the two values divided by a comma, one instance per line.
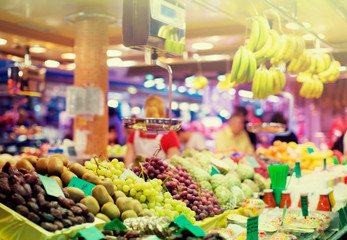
[140, 143]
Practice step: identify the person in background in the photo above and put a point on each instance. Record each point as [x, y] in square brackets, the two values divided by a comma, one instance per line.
[141, 143]
[112, 136]
[191, 140]
[341, 144]
[337, 128]
[243, 111]
[287, 137]
[116, 122]
[234, 136]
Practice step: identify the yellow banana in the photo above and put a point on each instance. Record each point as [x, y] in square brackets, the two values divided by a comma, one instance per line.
[275, 39]
[252, 66]
[276, 81]
[242, 73]
[270, 82]
[262, 84]
[261, 53]
[320, 63]
[283, 79]
[284, 48]
[256, 84]
[304, 89]
[335, 71]
[306, 63]
[292, 65]
[300, 43]
[236, 65]
[254, 37]
[263, 33]
[161, 30]
[290, 51]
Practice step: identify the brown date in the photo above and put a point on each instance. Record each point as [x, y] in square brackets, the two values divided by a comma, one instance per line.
[28, 190]
[18, 199]
[33, 207]
[49, 226]
[23, 210]
[38, 189]
[46, 217]
[59, 224]
[33, 217]
[67, 223]
[64, 202]
[5, 186]
[56, 213]
[76, 210]
[85, 210]
[90, 218]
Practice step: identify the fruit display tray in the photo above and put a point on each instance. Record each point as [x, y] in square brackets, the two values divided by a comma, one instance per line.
[153, 125]
[14, 226]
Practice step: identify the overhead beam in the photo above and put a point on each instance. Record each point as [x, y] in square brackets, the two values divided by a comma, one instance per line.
[15, 29]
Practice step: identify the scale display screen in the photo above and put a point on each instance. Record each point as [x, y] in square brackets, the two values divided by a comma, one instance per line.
[168, 12]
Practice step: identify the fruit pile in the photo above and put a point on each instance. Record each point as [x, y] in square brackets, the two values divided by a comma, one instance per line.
[237, 181]
[22, 190]
[116, 150]
[149, 192]
[181, 186]
[307, 154]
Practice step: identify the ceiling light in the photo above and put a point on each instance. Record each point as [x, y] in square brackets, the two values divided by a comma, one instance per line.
[174, 105]
[309, 37]
[174, 87]
[52, 63]
[194, 107]
[114, 62]
[192, 91]
[148, 84]
[202, 46]
[135, 110]
[112, 103]
[113, 53]
[159, 80]
[160, 86]
[306, 24]
[70, 66]
[183, 106]
[292, 26]
[132, 90]
[224, 113]
[3, 41]
[342, 68]
[232, 91]
[221, 78]
[201, 92]
[273, 98]
[37, 49]
[182, 89]
[245, 93]
[127, 63]
[69, 56]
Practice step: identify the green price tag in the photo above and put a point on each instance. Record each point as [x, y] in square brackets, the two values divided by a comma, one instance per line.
[304, 206]
[284, 213]
[252, 228]
[297, 170]
[51, 186]
[252, 161]
[85, 186]
[310, 150]
[183, 223]
[126, 173]
[214, 171]
[343, 220]
[71, 151]
[91, 233]
[115, 224]
[325, 164]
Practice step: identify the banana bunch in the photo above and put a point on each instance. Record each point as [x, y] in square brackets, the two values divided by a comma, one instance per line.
[200, 82]
[244, 66]
[291, 46]
[312, 86]
[279, 80]
[259, 33]
[226, 84]
[262, 85]
[300, 64]
[320, 62]
[270, 49]
[331, 74]
[168, 32]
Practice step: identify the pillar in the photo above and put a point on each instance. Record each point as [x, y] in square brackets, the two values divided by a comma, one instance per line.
[91, 42]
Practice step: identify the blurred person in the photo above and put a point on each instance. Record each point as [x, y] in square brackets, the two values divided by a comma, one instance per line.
[337, 128]
[141, 143]
[115, 121]
[112, 136]
[244, 112]
[190, 139]
[341, 144]
[234, 136]
[285, 137]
